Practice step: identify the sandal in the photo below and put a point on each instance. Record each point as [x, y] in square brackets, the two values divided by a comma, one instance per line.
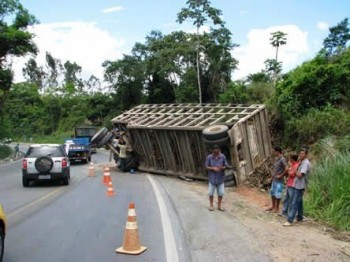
[221, 209]
[211, 209]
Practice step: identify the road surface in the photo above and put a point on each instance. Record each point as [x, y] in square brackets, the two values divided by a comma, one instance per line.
[51, 222]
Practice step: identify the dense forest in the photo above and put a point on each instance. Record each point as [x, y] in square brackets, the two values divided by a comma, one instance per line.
[308, 105]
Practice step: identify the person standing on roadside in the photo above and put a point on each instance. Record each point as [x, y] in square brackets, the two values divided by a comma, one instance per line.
[16, 150]
[216, 164]
[293, 166]
[300, 183]
[122, 154]
[280, 169]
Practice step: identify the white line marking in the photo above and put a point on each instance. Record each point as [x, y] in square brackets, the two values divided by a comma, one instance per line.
[169, 239]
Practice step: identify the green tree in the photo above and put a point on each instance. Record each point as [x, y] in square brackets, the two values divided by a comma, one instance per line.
[277, 39]
[53, 70]
[315, 84]
[338, 37]
[200, 11]
[126, 78]
[15, 40]
[72, 82]
[272, 68]
[93, 84]
[34, 73]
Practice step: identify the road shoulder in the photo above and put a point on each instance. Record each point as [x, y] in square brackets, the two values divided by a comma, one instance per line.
[245, 231]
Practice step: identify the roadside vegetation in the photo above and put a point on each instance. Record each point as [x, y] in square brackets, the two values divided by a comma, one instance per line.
[328, 197]
[308, 106]
[5, 151]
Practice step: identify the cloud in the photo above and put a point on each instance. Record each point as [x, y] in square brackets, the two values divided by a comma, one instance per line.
[80, 42]
[322, 26]
[112, 9]
[251, 56]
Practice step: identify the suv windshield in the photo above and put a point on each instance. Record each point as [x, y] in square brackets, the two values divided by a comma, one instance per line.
[54, 151]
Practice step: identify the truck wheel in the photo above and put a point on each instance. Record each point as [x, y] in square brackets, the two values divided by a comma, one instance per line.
[104, 140]
[215, 132]
[98, 136]
[131, 162]
[218, 142]
[25, 182]
[230, 178]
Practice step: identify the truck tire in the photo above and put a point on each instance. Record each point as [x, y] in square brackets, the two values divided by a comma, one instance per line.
[99, 135]
[104, 140]
[218, 142]
[215, 132]
[131, 162]
[43, 164]
[230, 178]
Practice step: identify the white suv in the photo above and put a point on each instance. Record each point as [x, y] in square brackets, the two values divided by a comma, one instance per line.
[45, 162]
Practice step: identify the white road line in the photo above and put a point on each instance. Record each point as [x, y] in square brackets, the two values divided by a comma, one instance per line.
[169, 239]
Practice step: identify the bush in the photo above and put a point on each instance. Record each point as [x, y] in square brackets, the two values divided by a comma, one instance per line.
[328, 197]
[5, 151]
[317, 124]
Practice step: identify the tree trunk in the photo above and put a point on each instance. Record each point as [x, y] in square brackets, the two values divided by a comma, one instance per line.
[198, 70]
[276, 74]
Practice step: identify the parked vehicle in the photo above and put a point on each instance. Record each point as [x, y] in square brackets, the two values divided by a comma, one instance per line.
[7, 141]
[45, 162]
[2, 232]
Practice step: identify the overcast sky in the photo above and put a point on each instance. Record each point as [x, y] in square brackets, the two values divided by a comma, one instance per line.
[90, 32]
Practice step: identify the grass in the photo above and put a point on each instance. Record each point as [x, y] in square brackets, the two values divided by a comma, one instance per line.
[328, 194]
[56, 138]
[5, 151]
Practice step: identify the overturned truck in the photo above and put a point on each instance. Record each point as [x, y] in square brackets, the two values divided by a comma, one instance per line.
[174, 139]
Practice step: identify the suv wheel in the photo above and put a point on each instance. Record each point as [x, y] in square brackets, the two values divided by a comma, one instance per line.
[65, 181]
[25, 182]
[2, 243]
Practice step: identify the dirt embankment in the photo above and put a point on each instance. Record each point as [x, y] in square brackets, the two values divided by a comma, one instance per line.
[306, 241]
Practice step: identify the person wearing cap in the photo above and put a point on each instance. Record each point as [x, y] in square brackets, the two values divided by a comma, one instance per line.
[216, 164]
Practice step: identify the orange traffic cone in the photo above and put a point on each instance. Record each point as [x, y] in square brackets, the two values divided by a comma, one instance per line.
[131, 244]
[106, 176]
[91, 170]
[110, 190]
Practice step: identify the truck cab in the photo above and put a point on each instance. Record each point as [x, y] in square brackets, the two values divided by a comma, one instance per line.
[86, 132]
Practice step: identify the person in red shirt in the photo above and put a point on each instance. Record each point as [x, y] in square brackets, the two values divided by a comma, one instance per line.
[293, 167]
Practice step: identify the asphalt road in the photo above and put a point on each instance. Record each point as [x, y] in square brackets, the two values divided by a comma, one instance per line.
[51, 222]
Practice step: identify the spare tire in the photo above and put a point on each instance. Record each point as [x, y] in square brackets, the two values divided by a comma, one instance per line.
[215, 132]
[104, 140]
[99, 135]
[43, 164]
[219, 142]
